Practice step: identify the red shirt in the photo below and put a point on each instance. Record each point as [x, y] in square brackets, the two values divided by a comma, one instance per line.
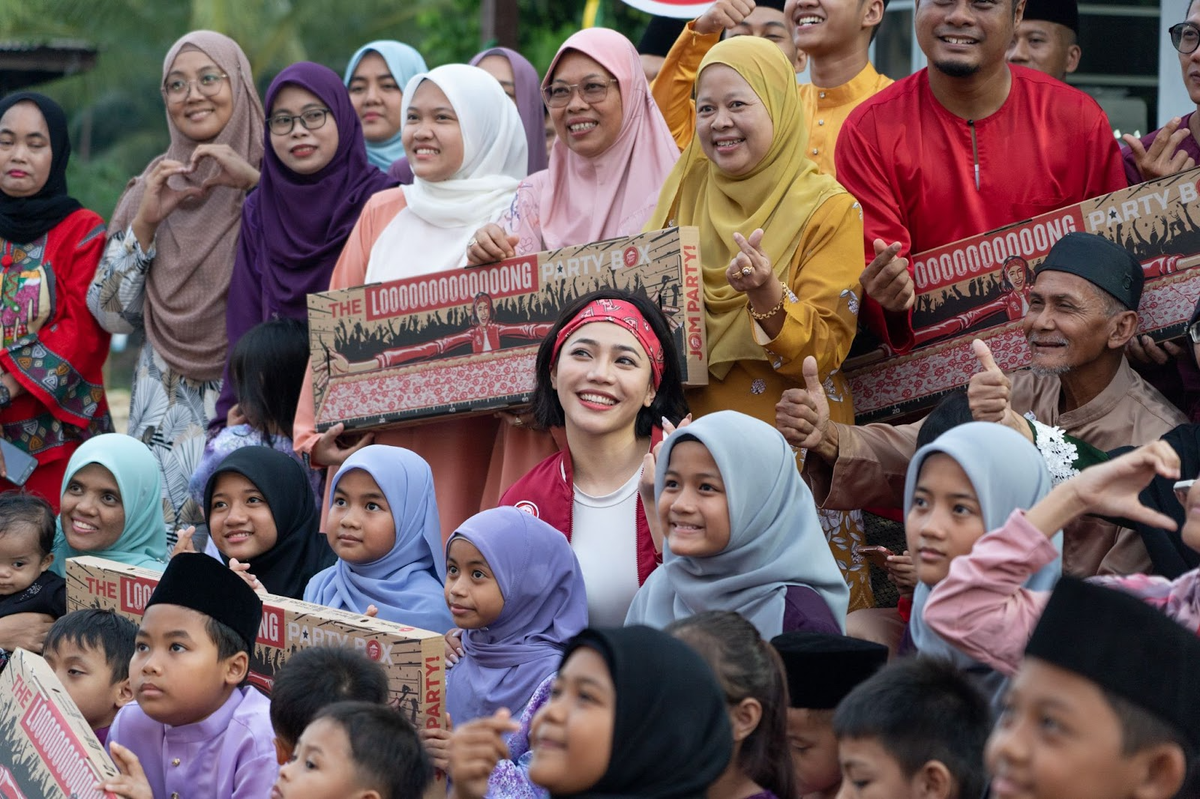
[913, 166]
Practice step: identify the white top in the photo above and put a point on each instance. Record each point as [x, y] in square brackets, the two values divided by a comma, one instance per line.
[604, 538]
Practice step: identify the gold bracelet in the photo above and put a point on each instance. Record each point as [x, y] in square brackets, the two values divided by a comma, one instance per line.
[778, 306]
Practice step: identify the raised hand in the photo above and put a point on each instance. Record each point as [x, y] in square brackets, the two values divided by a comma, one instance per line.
[802, 414]
[886, 279]
[235, 171]
[159, 200]
[474, 751]
[1162, 157]
[723, 15]
[132, 782]
[989, 392]
[490, 244]
[646, 481]
[750, 269]
[330, 450]
[183, 543]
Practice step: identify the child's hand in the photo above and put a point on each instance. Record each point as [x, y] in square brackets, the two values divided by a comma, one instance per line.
[132, 784]
[902, 572]
[184, 542]
[437, 744]
[475, 749]
[235, 415]
[646, 482]
[243, 570]
[372, 611]
[454, 649]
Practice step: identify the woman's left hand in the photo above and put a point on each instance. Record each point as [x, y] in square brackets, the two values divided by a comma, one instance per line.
[184, 542]
[235, 172]
[750, 269]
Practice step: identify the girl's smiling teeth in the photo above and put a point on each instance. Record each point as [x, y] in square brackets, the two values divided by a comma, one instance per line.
[727, 143]
[597, 399]
[83, 527]
[427, 151]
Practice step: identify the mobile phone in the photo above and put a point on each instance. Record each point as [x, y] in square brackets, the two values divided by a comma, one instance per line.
[18, 463]
[876, 555]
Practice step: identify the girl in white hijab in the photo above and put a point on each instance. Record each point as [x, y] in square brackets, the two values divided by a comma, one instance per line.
[448, 202]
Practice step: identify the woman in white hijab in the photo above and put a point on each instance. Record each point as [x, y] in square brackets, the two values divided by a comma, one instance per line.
[467, 148]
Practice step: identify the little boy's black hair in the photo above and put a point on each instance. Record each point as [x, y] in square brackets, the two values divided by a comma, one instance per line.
[21, 510]
[922, 709]
[102, 630]
[317, 677]
[388, 755]
[953, 409]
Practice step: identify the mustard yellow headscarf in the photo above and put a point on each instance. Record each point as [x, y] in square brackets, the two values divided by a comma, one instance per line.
[779, 195]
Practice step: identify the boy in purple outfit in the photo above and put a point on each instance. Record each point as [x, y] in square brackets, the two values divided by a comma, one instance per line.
[194, 729]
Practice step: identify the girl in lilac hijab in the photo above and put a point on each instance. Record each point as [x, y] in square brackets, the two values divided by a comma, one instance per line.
[315, 180]
[515, 588]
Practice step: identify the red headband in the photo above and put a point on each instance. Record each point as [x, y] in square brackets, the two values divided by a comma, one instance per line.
[624, 314]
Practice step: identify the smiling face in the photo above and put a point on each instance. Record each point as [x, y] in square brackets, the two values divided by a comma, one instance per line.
[572, 734]
[176, 675]
[21, 559]
[733, 124]
[239, 519]
[432, 136]
[303, 151]
[322, 767]
[91, 510]
[826, 27]
[1067, 325]
[472, 592]
[361, 526]
[962, 37]
[945, 519]
[198, 117]
[692, 508]
[501, 69]
[25, 154]
[376, 97]
[603, 379]
[87, 678]
[589, 129]
[1045, 46]
[1058, 738]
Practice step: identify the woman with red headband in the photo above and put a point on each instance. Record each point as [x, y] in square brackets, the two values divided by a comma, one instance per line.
[608, 374]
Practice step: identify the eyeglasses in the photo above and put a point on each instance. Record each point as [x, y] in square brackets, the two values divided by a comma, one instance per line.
[1181, 491]
[1193, 331]
[1185, 37]
[209, 85]
[557, 95]
[283, 124]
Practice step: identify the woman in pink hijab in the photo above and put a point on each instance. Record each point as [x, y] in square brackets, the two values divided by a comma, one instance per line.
[614, 151]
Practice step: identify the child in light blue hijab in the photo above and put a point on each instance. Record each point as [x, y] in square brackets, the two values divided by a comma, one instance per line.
[377, 95]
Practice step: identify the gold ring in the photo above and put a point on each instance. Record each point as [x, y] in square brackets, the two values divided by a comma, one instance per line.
[747, 271]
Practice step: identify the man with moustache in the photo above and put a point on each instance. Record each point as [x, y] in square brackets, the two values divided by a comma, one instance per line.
[1082, 312]
[969, 144]
[1047, 38]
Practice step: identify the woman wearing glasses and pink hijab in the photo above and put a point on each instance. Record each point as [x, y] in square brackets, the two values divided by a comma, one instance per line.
[613, 153]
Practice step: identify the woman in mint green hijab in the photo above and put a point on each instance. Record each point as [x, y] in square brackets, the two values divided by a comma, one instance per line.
[376, 90]
[112, 505]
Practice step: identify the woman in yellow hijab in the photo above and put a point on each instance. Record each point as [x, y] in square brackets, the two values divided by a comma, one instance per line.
[780, 247]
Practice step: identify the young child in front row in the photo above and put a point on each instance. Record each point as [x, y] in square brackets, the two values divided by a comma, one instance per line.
[356, 750]
[27, 585]
[89, 651]
[821, 670]
[314, 678]
[195, 730]
[516, 589]
[1105, 704]
[384, 528]
[915, 730]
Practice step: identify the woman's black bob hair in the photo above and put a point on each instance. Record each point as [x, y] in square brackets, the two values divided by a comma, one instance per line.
[668, 400]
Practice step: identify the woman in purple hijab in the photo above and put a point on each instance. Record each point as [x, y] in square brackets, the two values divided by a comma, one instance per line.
[315, 180]
[543, 607]
[521, 82]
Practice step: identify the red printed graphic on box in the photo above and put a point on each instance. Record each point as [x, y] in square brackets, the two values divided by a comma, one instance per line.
[58, 748]
[270, 629]
[135, 593]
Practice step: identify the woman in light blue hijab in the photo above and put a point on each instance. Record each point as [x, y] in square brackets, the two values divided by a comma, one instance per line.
[376, 86]
[143, 539]
[1006, 472]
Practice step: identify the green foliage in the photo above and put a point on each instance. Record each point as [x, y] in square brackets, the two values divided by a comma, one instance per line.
[118, 109]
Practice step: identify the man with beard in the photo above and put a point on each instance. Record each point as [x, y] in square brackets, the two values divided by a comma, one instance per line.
[969, 144]
[1082, 311]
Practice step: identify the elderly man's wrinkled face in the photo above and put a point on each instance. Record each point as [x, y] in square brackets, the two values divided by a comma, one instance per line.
[1069, 323]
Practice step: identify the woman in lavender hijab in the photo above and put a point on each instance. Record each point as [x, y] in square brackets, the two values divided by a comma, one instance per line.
[315, 180]
[521, 83]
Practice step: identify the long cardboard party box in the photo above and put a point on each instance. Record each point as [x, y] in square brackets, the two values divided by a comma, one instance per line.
[978, 288]
[47, 749]
[465, 341]
[413, 658]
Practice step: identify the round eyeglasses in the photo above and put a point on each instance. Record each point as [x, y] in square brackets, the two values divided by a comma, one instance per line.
[283, 124]
[1185, 37]
[208, 84]
[594, 90]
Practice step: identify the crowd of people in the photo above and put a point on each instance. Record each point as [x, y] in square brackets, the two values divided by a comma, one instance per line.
[644, 590]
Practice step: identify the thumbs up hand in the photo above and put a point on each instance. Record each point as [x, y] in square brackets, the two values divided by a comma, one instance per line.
[989, 392]
[802, 415]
